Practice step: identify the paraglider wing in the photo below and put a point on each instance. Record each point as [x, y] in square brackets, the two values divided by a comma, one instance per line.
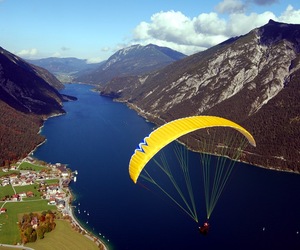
[171, 131]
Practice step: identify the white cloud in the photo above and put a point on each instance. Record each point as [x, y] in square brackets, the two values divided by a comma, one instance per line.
[94, 60]
[56, 54]
[190, 35]
[209, 24]
[28, 53]
[166, 26]
[105, 49]
[239, 24]
[290, 15]
[231, 6]
[173, 29]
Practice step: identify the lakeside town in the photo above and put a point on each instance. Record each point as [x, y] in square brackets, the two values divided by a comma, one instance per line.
[32, 180]
[26, 173]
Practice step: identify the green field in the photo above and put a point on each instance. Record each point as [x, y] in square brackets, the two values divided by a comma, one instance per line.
[33, 188]
[51, 181]
[8, 172]
[9, 232]
[63, 237]
[7, 190]
[30, 166]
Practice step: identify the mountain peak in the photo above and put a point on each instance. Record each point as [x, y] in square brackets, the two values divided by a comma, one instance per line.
[133, 60]
[274, 32]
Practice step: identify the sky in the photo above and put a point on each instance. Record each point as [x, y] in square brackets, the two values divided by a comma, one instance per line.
[96, 29]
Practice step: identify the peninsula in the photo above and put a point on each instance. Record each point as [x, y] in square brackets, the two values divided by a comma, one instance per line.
[32, 186]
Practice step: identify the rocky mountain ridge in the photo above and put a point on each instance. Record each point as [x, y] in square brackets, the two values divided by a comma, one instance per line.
[252, 79]
[130, 61]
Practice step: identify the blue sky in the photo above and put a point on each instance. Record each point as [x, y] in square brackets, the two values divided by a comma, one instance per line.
[95, 29]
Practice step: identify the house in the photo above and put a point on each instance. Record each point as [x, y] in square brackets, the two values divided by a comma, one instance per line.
[3, 210]
[60, 203]
[30, 159]
[23, 194]
[52, 201]
[13, 176]
[13, 167]
[5, 182]
[29, 194]
[29, 181]
[59, 195]
[34, 222]
[65, 174]
[15, 197]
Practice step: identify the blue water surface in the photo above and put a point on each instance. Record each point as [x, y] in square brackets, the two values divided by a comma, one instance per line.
[259, 209]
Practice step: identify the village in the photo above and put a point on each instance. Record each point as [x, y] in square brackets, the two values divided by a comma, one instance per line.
[31, 185]
[47, 181]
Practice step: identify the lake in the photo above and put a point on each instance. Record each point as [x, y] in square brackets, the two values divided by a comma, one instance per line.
[259, 208]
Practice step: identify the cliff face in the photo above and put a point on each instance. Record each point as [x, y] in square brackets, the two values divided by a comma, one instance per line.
[27, 96]
[252, 80]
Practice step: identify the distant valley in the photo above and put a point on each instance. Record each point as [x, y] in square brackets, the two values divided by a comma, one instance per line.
[66, 69]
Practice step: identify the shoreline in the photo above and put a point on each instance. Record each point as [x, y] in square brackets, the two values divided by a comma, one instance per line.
[71, 214]
[76, 223]
[40, 131]
[157, 120]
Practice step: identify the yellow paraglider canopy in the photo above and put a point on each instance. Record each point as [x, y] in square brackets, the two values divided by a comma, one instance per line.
[171, 131]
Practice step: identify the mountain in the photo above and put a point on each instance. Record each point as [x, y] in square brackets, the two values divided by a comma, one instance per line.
[28, 88]
[252, 79]
[66, 69]
[133, 60]
[28, 95]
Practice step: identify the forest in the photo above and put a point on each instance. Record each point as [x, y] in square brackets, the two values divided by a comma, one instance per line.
[33, 226]
[19, 134]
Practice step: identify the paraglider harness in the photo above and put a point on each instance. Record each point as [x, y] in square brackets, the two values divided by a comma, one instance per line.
[205, 228]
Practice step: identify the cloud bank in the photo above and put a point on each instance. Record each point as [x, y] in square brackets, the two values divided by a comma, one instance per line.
[27, 53]
[189, 35]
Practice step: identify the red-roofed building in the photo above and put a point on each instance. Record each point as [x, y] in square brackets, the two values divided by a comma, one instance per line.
[3, 210]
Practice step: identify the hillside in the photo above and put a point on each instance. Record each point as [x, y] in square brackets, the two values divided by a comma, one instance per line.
[252, 79]
[130, 61]
[28, 95]
[18, 134]
[26, 88]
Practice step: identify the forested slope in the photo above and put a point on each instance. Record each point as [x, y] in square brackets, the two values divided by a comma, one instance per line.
[18, 133]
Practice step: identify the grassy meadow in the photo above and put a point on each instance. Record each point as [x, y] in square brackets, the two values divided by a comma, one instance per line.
[9, 231]
[7, 190]
[30, 166]
[63, 237]
[33, 188]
